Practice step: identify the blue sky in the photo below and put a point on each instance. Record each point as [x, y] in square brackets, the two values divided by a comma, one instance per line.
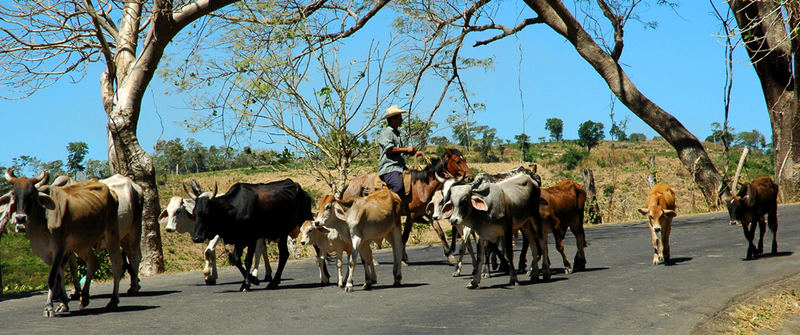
[679, 66]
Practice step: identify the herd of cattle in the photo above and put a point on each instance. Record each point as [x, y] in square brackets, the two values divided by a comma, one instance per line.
[65, 219]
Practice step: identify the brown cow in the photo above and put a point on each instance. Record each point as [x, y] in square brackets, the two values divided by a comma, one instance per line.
[366, 219]
[748, 207]
[660, 209]
[561, 209]
[62, 220]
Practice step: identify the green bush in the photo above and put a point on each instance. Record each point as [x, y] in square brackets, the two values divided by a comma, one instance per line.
[22, 271]
[572, 157]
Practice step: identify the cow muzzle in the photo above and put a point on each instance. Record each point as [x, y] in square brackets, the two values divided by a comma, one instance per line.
[170, 229]
[20, 218]
[657, 230]
[197, 239]
[20, 228]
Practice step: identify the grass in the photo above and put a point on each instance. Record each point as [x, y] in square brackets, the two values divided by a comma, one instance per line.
[767, 314]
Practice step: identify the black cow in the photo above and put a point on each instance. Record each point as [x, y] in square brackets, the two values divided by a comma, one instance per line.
[748, 207]
[248, 212]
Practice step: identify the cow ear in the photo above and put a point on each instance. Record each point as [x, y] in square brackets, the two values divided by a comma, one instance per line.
[47, 201]
[644, 211]
[162, 216]
[6, 198]
[447, 210]
[669, 213]
[429, 208]
[339, 211]
[479, 204]
[543, 202]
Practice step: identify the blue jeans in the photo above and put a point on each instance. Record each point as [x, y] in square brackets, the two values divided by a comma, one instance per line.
[394, 180]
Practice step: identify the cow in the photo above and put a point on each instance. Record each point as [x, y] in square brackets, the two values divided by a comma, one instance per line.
[434, 210]
[324, 241]
[365, 219]
[494, 210]
[62, 220]
[130, 197]
[249, 212]
[561, 208]
[748, 207]
[660, 210]
[179, 217]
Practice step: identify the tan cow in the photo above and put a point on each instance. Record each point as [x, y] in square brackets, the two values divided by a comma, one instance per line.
[62, 220]
[660, 210]
[366, 219]
[325, 240]
[561, 208]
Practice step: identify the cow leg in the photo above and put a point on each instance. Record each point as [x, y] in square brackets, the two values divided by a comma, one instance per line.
[522, 264]
[370, 277]
[324, 277]
[749, 234]
[248, 263]
[261, 252]
[406, 233]
[509, 250]
[455, 232]
[235, 258]
[397, 247]
[73, 273]
[439, 231]
[91, 266]
[210, 268]
[654, 237]
[351, 265]
[560, 247]
[339, 255]
[283, 256]
[762, 228]
[134, 253]
[534, 273]
[476, 270]
[580, 241]
[665, 230]
[55, 286]
[257, 258]
[466, 233]
[116, 270]
[773, 226]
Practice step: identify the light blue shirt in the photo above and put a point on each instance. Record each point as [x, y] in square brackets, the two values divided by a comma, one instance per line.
[389, 138]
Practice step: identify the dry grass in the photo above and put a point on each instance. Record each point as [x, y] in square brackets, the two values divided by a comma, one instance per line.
[766, 314]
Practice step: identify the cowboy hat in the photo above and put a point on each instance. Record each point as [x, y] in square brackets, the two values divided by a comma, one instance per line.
[392, 111]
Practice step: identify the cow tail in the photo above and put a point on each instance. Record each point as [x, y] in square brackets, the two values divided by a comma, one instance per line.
[580, 204]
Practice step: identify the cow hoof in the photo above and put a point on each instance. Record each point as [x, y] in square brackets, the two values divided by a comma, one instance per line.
[472, 285]
[113, 304]
[84, 301]
[486, 275]
[514, 282]
[341, 285]
[254, 280]
[75, 295]
[404, 263]
[210, 281]
[348, 288]
[456, 273]
[568, 271]
[367, 287]
[133, 290]
[244, 288]
[273, 285]
[546, 275]
[49, 312]
[267, 278]
[62, 307]
[397, 284]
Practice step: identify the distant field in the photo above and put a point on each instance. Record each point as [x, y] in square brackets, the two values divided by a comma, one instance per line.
[619, 169]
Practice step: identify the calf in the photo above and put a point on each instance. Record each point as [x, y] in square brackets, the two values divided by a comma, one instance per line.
[434, 210]
[660, 210]
[748, 207]
[494, 211]
[178, 217]
[366, 219]
[61, 220]
[324, 241]
[249, 212]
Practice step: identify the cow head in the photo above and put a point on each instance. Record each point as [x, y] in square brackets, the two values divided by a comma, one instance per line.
[737, 204]
[461, 204]
[307, 229]
[178, 216]
[25, 197]
[203, 216]
[329, 210]
[658, 217]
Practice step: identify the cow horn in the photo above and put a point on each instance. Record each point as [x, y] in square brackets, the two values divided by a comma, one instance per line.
[10, 174]
[41, 179]
[214, 195]
[196, 187]
[192, 195]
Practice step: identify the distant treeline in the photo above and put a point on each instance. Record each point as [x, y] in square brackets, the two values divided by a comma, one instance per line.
[190, 156]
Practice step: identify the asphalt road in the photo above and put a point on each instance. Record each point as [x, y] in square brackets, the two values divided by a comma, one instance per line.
[620, 293]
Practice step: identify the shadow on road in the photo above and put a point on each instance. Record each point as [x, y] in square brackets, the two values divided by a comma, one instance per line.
[103, 310]
[14, 296]
[677, 260]
[140, 294]
[771, 255]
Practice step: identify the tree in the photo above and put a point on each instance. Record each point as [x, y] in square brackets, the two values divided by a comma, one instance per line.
[770, 35]
[556, 128]
[463, 132]
[43, 42]
[719, 135]
[619, 130]
[523, 140]
[76, 152]
[637, 137]
[752, 140]
[589, 134]
[484, 145]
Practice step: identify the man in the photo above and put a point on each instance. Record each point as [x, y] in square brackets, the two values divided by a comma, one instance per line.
[391, 163]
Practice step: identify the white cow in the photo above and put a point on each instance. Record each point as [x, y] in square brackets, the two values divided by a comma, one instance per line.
[325, 240]
[179, 218]
[131, 203]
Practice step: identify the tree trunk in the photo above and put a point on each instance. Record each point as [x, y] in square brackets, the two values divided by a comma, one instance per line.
[592, 207]
[651, 178]
[558, 17]
[773, 53]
